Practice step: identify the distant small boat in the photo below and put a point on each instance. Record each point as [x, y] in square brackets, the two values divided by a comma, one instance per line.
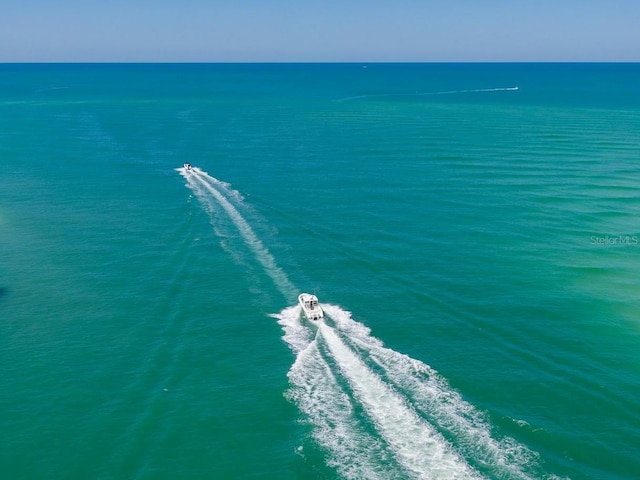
[310, 306]
[187, 166]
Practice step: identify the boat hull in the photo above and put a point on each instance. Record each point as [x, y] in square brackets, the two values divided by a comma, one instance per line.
[310, 307]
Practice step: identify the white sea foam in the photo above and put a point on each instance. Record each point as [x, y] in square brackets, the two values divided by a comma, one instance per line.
[196, 178]
[431, 396]
[297, 336]
[352, 450]
[405, 445]
[219, 219]
[418, 447]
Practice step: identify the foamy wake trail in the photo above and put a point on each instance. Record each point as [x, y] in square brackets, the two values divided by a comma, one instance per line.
[424, 429]
[426, 94]
[435, 401]
[416, 445]
[207, 188]
[330, 383]
[352, 450]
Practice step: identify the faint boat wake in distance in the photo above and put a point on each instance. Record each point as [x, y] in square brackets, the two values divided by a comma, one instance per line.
[426, 94]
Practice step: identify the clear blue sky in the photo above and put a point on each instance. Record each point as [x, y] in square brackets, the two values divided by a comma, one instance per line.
[318, 30]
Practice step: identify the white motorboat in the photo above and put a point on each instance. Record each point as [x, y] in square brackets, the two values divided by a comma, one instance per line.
[310, 306]
[187, 166]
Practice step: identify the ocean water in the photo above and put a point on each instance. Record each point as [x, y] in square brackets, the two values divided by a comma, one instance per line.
[471, 230]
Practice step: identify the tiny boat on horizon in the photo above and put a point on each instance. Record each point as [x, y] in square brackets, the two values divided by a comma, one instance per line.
[310, 306]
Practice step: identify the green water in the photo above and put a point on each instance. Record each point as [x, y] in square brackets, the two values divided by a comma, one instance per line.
[487, 235]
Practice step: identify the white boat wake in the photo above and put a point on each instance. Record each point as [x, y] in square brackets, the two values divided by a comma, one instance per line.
[210, 190]
[429, 94]
[424, 428]
[376, 413]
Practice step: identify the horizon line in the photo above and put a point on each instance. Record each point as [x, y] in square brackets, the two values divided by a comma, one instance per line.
[311, 62]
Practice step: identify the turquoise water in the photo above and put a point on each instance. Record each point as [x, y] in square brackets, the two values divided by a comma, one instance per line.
[475, 247]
